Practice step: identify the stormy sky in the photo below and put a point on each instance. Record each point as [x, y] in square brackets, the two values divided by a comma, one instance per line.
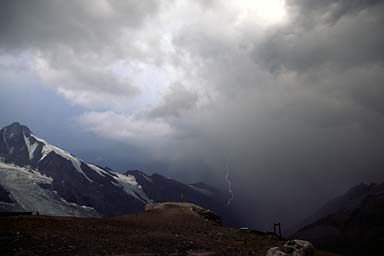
[289, 94]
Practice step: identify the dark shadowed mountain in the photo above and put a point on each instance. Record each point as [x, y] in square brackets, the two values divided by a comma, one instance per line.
[37, 176]
[351, 224]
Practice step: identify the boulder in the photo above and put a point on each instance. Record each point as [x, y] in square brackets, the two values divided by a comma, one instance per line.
[293, 248]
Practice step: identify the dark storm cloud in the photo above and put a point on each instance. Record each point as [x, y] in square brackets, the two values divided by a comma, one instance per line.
[332, 10]
[354, 40]
[344, 58]
[301, 113]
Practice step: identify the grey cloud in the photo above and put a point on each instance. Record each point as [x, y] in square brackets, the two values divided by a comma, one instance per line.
[84, 80]
[75, 43]
[210, 4]
[175, 103]
[80, 24]
[78, 76]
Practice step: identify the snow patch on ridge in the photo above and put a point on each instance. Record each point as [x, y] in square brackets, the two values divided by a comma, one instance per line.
[129, 184]
[97, 169]
[201, 190]
[31, 147]
[145, 176]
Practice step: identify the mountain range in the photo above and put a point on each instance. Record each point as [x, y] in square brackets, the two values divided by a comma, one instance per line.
[40, 177]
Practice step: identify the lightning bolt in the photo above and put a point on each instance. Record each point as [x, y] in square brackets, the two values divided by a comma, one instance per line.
[231, 196]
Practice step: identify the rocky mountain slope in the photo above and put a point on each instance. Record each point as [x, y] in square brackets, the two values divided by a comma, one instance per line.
[38, 176]
[352, 224]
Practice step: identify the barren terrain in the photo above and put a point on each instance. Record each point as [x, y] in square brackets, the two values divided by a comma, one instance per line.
[169, 231]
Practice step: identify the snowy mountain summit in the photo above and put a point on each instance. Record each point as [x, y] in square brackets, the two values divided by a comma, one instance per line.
[38, 176]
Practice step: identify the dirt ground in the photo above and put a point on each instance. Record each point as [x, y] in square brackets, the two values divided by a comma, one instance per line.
[149, 233]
